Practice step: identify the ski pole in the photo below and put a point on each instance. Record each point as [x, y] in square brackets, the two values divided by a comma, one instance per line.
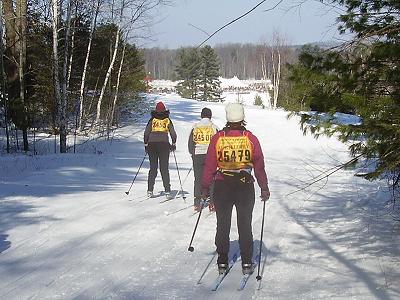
[191, 248]
[136, 174]
[259, 254]
[187, 175]
[179, 176]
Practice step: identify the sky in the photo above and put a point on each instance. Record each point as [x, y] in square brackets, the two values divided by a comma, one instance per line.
[185, 22]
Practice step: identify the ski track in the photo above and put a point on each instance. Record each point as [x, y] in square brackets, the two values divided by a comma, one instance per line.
[100, 243]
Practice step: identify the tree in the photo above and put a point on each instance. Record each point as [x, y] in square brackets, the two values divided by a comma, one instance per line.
[209, 83]
[15, 17]
[188, 72]
[93, 18]
[364, 75]
[3, 95]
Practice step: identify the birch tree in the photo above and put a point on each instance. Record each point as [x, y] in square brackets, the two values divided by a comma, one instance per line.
[56, 77]
[95, 10]
[138, 11]
[264, 49]
[64, 79]
[110, 68]
[277, 46]
[117, 86]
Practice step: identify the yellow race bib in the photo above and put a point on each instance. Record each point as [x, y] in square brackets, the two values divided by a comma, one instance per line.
[202, 135]
[158, 125]
[234, 152]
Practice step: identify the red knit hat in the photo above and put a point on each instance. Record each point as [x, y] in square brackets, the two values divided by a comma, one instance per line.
[160, 107]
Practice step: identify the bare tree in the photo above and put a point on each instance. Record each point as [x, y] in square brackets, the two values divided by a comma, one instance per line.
[64, 95]
[94, 13]
[15, 29]
[276, 66]
[56, 76]
[137, 12]
[3, 79]
[117, 87]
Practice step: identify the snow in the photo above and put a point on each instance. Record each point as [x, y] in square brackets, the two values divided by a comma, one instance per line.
[69, 231]
[233, 82]
[336, 118]
[233, 90]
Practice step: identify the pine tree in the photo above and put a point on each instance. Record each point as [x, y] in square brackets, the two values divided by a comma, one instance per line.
[188, 72]
[209, 88]
[364, 76]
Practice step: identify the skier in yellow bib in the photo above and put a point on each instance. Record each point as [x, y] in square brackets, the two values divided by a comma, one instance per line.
[156, 143]
[233, 153]
[198, 142]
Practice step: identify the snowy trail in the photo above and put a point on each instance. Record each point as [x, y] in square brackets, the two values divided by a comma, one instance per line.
[69, 231]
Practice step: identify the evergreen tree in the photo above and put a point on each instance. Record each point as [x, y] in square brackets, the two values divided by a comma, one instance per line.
[209, 88]
[364, 77]
[188, 72]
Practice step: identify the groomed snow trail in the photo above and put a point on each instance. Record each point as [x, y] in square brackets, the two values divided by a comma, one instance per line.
[69, 231]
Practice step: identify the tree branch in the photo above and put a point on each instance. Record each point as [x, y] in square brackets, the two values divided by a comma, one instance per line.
[327, 175]
[234, 20]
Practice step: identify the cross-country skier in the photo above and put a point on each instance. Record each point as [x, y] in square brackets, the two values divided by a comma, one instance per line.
[198, 142]
[156, 143]
[232, 154]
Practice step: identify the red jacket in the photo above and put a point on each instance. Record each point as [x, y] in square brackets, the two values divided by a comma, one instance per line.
[210, 168]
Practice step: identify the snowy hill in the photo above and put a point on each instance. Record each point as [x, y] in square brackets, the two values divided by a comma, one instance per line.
[69, 231]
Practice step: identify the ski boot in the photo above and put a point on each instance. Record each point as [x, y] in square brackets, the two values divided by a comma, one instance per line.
[168, 195]
[222, 268]
[247, 269]
[150, 194]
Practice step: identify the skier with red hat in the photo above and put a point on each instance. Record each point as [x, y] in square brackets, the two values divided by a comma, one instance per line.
[158, 147]
[232, 155]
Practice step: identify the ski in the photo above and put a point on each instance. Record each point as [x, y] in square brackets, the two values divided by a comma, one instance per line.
[245, 277]
[243, 281]
[172, 196]
[221, 277]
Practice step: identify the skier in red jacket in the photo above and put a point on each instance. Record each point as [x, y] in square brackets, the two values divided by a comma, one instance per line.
[232, 155]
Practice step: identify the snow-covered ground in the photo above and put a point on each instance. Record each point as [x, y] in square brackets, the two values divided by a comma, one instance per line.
[69, 231]
[233, 89]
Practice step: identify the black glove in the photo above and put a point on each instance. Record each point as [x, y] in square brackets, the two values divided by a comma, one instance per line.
[146, 148]
[172, 147]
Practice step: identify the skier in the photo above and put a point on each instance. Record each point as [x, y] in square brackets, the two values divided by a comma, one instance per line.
[232, 154]
[156, 144]
[198, 142]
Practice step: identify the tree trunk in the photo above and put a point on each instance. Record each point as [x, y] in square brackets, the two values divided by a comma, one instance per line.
[117, 87]
[71, 57]
[56, 77]
[3, 79]
[83, 80]
[277, 79]
[110, 68]
[264, 72]
[21, 12]
[64, 94]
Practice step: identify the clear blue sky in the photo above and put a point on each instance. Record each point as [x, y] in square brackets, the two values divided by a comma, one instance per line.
[310, 22]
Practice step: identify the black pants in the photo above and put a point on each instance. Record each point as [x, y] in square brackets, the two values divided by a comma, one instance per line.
[158, 154]
[240, 195]
[198, 167]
